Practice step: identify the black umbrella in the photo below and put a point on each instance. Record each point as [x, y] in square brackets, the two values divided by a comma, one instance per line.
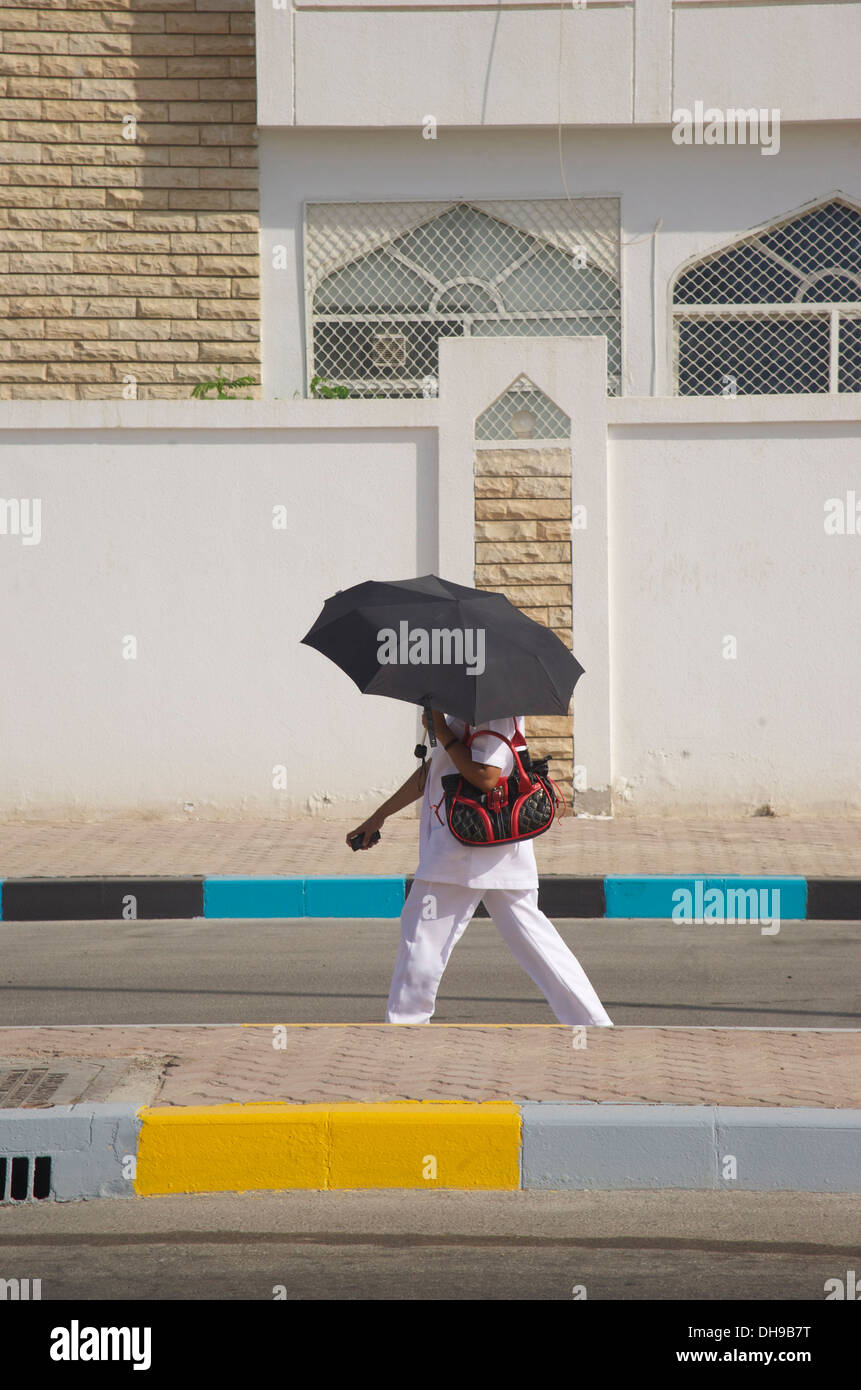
[469, 652]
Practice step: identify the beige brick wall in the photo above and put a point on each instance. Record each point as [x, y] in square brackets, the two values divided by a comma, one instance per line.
[127, 257]
[523, 550]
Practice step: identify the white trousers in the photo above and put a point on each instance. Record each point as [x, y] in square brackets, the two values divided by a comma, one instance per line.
[434, 918]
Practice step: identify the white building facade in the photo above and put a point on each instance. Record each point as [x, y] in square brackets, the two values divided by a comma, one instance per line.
[588, 279]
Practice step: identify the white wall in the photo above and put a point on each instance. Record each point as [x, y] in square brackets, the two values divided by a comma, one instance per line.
[166, 534]
[465, 67]
[705, 521]
[704, 196]
[718, 530]
[368, 63]
[801, 59]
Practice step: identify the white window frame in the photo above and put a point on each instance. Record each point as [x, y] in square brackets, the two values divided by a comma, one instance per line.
[467, 320]
[766, 310]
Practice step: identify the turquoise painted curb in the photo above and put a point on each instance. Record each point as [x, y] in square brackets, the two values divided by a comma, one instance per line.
[354, 897]
[616, 897]
[254, 897]
[655, 896]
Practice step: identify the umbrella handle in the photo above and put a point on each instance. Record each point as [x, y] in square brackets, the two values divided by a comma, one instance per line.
[427, 709]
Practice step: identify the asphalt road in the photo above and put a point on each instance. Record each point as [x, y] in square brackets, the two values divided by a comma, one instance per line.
[339, 971]
[667, 1246]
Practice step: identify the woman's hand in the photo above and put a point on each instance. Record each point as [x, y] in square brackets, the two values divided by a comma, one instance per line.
[367, 828]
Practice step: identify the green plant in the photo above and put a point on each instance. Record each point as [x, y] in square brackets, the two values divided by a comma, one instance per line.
[321, 389]
[223, 387]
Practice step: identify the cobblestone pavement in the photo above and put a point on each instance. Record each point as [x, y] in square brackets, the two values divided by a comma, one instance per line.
[208, 1065]
[314, 846]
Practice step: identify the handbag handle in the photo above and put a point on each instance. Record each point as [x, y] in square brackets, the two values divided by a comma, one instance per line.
[523, 783]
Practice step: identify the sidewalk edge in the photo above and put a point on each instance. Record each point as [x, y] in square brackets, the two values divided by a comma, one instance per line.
[123, 1150]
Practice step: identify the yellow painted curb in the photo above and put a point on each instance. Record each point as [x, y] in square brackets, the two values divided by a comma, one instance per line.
[232, 1148]
[274, 1146]
[426, 1144]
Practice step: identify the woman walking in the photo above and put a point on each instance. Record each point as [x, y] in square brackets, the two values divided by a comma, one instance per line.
[453, 878]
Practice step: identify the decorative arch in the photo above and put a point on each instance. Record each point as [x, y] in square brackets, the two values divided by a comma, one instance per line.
[378, 310]
[775, 312]
[522, 412]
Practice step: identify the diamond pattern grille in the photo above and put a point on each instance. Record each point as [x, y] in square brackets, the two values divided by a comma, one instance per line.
[507, 418]
[850, 354]
[778, 346]
[386, 281]
[753, 356]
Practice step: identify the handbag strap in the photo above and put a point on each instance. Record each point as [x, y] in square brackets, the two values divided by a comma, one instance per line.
[519, 741]
[523, 782]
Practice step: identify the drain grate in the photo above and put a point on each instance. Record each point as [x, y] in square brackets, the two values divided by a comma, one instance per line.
[28, 1083]
[28, 1177]
[29, 1086]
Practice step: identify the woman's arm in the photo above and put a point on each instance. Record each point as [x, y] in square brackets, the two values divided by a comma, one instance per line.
[481, 775]
[404, 796]
[409, 792]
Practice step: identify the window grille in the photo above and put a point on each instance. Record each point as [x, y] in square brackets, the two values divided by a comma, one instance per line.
[386, 281]
[776, 313]
[523, 412]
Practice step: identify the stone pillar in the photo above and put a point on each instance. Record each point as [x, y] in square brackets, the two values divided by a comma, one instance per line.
[505, 522]
[523, 550]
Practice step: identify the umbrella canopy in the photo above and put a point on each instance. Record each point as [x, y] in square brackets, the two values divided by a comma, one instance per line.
[431, 642]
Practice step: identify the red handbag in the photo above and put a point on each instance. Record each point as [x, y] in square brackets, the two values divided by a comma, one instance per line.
[519, 807]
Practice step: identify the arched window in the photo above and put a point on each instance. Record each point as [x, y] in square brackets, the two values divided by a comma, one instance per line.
[452, 270]
[775, 313]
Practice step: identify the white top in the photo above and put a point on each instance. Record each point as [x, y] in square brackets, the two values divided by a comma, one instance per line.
[443, 859]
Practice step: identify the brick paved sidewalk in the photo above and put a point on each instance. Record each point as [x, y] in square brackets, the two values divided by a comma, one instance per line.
[206, 1065]
[313, 846]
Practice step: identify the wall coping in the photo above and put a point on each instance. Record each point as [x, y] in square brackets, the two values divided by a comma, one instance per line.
[219, 415]
[815, 408]
[414, 414]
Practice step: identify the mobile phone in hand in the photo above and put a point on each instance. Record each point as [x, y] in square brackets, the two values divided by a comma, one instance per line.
[356, 840]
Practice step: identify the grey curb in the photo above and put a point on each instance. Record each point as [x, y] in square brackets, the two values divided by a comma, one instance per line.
[86, 1145]
[581, 1146]
[605, 1146]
